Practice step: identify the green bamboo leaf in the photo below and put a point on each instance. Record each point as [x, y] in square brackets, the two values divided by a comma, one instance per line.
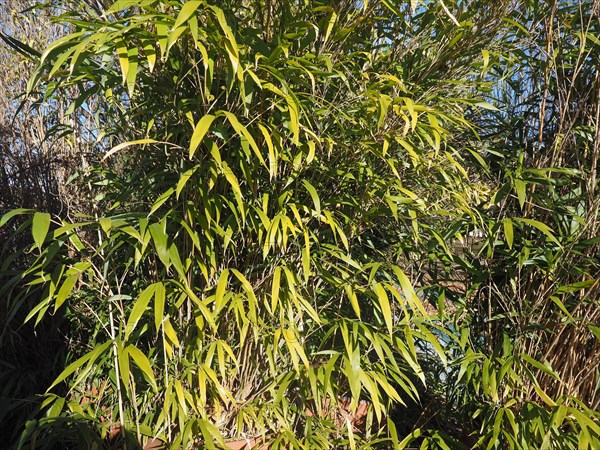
[562, 307]
[65, 290]
[538, 365]
[123, 54]
[294, 112]
[211, 434]
[120, 5]
[15, 212]
[384, 305]
[434, 341]
[39, 309]
[174, 36]
[233, 181]
[393, 8]
[243, 132]
[220, 291]
[272, 154]
[150, 53]
[545, 397]
[123, 359]
[200, 131]
[106, 224]
[486, 105]
[508, 231]
[230, 41]
[115, 149]
[486, 59]
[62, 59]
[275, 289]
[393, 433]
[313, 194]
[585, 421]
[497, 425]
[58, 404]
[162, 32]
[176, 261]
[520, 188]
[88, 358]
[132, 58]
[183, 180]
[249, 290]
[170, 332]
[408, 291]
[371, 387]
[595, 330]
[384, 103]
[40, 227]
[159, 304]
[353, 373]
[306, 256]
[540, 226]
[139, 308]
[180, 396]
[144, 364]
[353, 299]
[161, 200]
[330, 24]
[160, 239]
[186, 12]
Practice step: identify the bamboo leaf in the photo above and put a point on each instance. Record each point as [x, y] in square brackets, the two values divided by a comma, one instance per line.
[294, 112]
[132, 58]
[183, 180]
[384, 304]
[159, 238]
[123, 359]
[122, 52]
[187, 10]
[540, 226]
[139, 307]
[159, 304]
[275, 289]
[313, 194]
[243, 132]
[200, 131]
[272, 154]
[40, 227]
[306, 257]
[87, 358]
[508, 232]
[170, 332]
[65, 290]
[115, 149]
[520, 188]
[220, 291]
[15, 212]
[144, 364]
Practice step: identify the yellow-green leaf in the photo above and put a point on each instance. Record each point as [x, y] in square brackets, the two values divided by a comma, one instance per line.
[71, 368]
[40, 227]
[384, 305]
[159, 304]
[186, 12]
[200, 131]
[275, 289]
[65, 290]
[128, 144]
[138, 309]
[144, 364]
[508, 231]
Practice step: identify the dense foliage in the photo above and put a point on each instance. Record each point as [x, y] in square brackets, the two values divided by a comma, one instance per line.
[317, 224]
